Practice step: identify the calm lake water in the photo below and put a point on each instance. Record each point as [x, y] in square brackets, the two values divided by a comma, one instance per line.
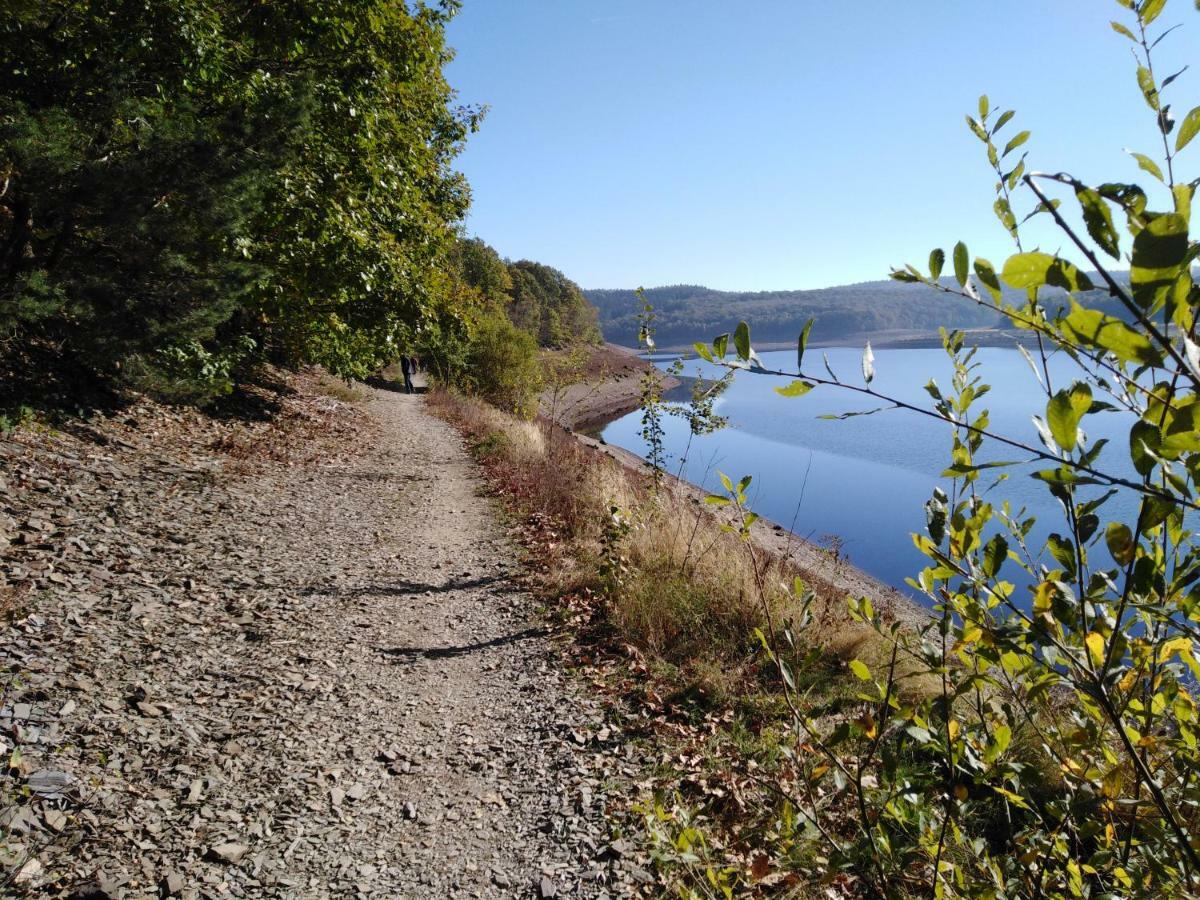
[866, 479]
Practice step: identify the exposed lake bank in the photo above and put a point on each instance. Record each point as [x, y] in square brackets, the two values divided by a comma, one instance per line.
[591, 406]
[861, 483]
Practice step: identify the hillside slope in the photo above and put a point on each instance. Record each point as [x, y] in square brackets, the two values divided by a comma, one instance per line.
[687, 313]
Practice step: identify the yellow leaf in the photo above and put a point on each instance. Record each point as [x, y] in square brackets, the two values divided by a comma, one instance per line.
[1179, 645]
[1095, 646]
[953, 728]
[859, 668]
[867, 721]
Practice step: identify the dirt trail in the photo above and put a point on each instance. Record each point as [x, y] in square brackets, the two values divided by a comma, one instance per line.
[305, 678]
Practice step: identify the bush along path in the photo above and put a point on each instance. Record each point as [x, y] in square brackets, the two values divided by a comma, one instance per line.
[283, 658]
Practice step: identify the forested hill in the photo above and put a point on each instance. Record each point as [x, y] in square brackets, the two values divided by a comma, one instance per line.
[686, 312]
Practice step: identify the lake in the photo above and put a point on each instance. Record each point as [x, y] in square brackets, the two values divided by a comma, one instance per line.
[865, 479]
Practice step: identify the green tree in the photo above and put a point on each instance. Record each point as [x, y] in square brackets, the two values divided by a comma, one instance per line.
[189, 179]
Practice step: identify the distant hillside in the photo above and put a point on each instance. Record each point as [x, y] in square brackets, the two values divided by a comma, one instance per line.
[688, 312]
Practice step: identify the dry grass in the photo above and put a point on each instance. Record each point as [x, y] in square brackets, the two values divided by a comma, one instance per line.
[688, 594]
[346, 391]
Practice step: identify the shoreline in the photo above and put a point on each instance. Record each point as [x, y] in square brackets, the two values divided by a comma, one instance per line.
[613, 390]
[596, 404]
[886, 340]
[779, 541]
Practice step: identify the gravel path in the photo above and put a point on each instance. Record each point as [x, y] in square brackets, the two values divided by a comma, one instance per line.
[309, 675]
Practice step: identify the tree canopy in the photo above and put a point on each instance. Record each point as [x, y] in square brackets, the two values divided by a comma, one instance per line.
[186, 182]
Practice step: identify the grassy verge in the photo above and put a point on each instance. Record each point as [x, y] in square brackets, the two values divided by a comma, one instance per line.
[662, 587]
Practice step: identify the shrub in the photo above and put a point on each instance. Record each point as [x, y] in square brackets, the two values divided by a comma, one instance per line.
[1059, 752]
[502, 365]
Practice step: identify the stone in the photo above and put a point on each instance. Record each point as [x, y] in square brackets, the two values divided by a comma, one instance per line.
[229, 852]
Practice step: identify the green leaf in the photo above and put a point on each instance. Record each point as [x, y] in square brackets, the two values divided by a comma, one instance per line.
[937, 259]
[1150, 10]
[1145, 441]
[1160, 250]
[1188, 129]
[1001, 738]
[1064, 411]
[1093, 328]
[720, 345]
[1121, 29]
[983, 106]
[1146, 163]
[703, 351]
[1149, 90]
[801, 343]
[1098, 219]
[1032, 270]
[741, 340]
[1016, 142]
[976, 129]
[962, 268]
[1120, 542]
[987, 274]
[860, 670]
[1003, 120]
[994, 554]
[1004, 213]
[797, 388]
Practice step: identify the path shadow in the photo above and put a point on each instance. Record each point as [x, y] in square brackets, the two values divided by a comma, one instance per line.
[393, 385]
[412, 654]
[403, 588]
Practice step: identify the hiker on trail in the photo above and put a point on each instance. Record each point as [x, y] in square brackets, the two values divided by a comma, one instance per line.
[406, 370]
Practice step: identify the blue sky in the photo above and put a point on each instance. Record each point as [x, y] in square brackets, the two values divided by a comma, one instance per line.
[777, 144]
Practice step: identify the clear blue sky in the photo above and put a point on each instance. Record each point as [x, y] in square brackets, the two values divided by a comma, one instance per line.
[784, 143]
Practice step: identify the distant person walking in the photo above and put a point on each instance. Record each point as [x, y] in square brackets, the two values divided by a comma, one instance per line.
[406, 368]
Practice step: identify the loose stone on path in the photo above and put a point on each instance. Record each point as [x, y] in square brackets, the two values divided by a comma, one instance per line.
[244, 663]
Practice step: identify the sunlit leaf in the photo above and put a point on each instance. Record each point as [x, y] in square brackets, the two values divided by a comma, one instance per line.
[1095, 647]
[1150, 11]
[987, 275]
[937, 259]
[1093, 328]
[801, 344]
[1146, 82]
[1032, 270]
[1121, 29]
[1188, 129]
[1147, 164]
[962, 266]
[860, 670]
[1019, 139]
[1064, 412]
[797, 388]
